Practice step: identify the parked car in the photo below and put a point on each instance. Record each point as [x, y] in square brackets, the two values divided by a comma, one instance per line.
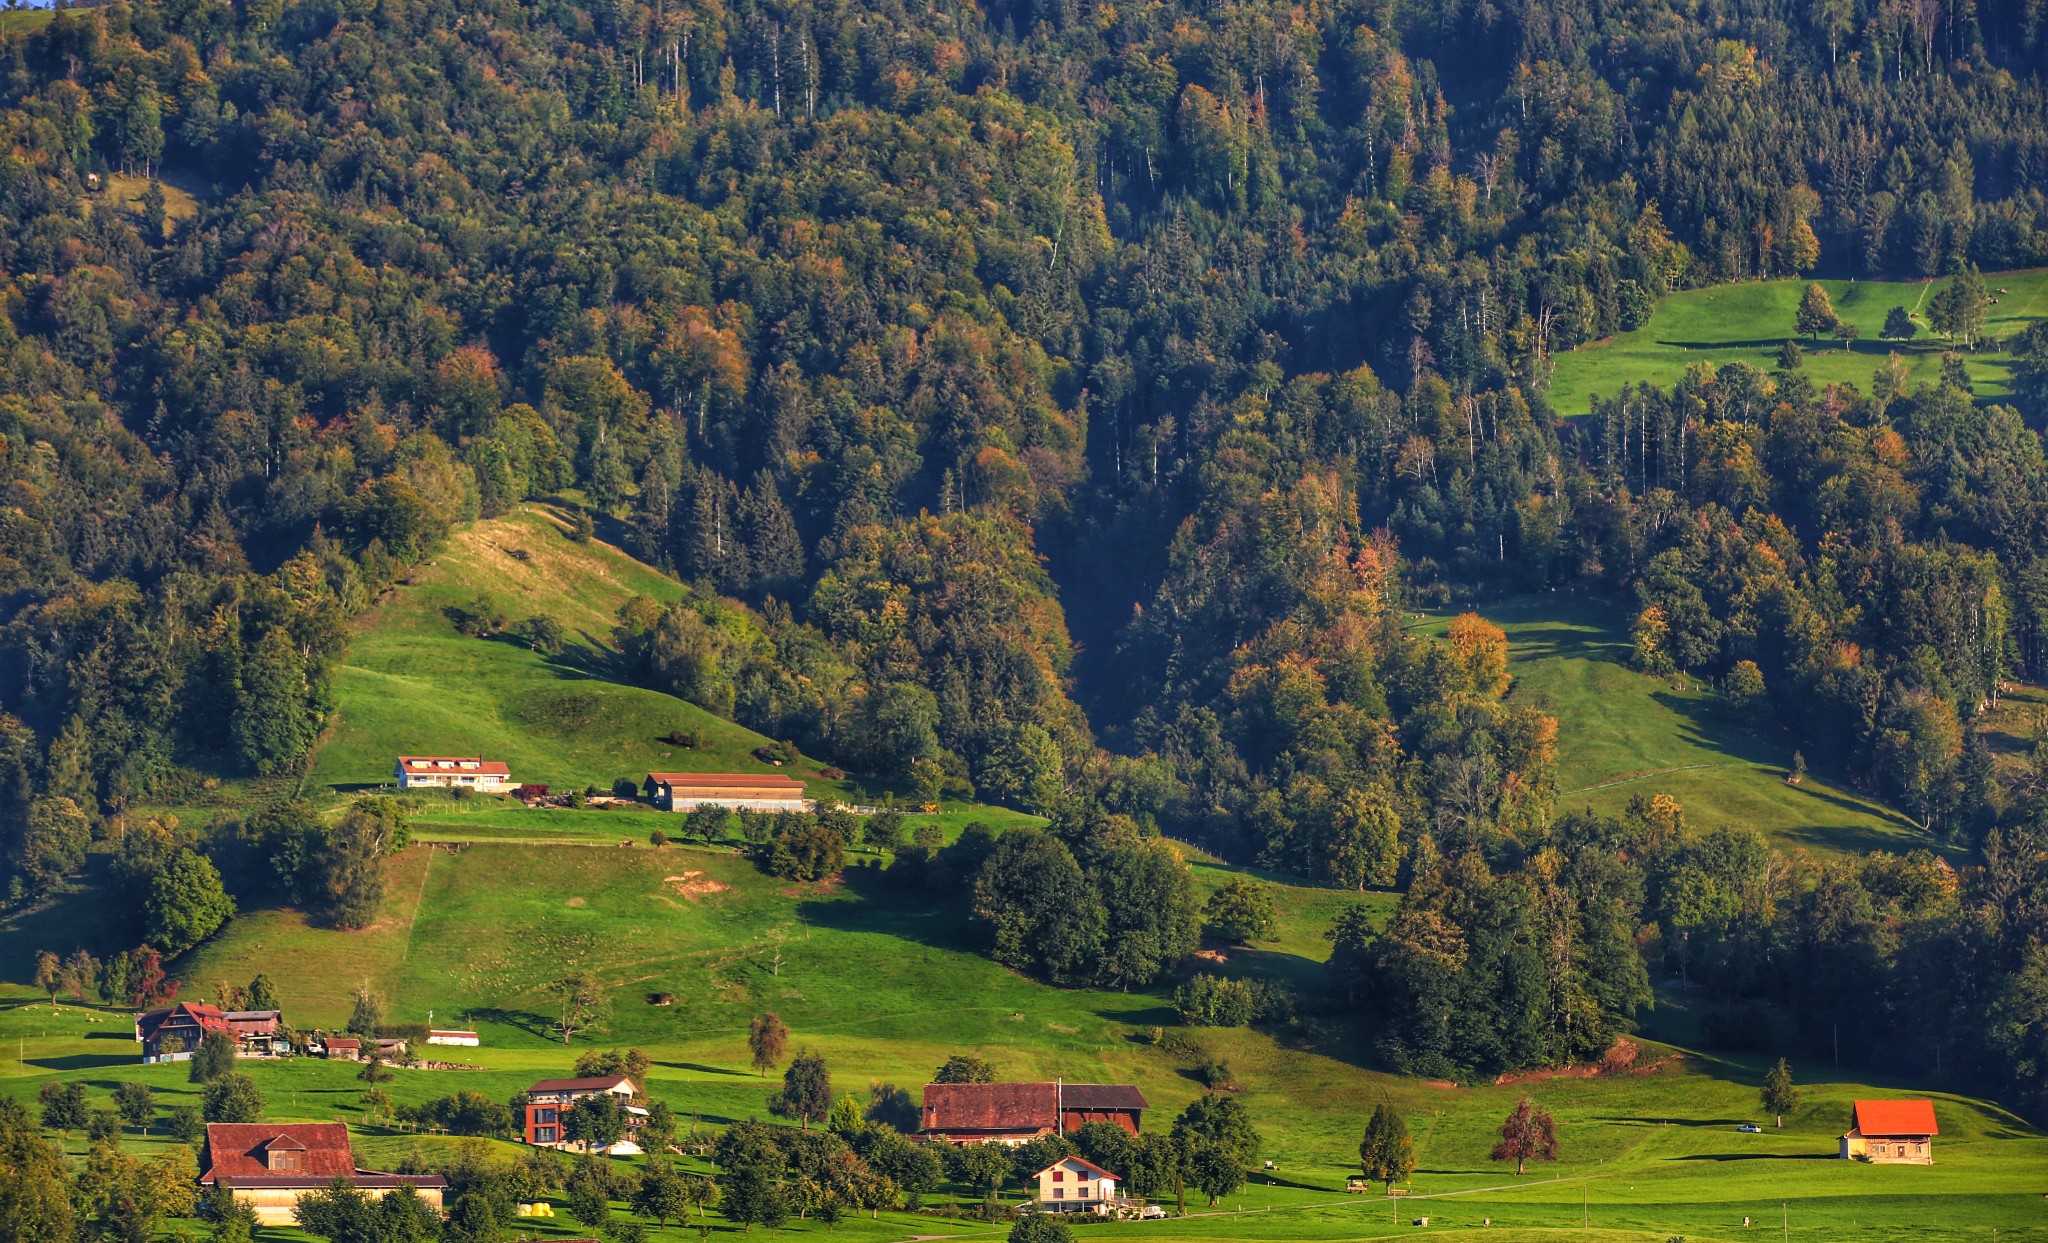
[1152, 1211]
[1750, 1128]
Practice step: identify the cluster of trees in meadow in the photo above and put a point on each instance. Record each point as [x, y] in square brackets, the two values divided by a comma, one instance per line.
[1543, 957]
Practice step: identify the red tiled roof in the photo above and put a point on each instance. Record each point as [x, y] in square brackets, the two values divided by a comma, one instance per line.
[988, 1106]
[359, 1178]
[1019, 1106]
[1896, 1118]
[235, 1150]
[433, 764]
[343, 1042]
[593, 1083]
[207, 1018]
[724, 780]
[1083, 1161]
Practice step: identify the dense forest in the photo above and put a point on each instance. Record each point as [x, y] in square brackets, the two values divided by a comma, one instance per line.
[1059, 403]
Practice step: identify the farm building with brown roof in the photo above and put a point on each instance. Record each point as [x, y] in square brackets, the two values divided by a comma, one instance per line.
[739, 791]
[1011, 1113]
[269, 1165]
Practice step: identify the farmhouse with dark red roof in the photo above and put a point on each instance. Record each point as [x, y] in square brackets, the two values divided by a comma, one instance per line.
[1012, 1113]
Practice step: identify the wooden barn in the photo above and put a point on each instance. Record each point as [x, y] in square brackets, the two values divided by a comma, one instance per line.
[1012, 1113]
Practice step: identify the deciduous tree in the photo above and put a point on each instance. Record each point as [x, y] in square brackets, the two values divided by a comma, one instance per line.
[1529, 1134]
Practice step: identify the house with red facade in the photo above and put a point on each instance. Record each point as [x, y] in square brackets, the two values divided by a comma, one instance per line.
[1013, 1113]
[549, 1101]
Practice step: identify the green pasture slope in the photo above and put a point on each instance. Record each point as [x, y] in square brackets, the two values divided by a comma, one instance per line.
[409, 684]
[1750, 322]
[1623, 733]
[884, 986]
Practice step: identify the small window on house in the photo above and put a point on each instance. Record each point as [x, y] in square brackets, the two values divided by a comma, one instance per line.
[543, 1135]
[1059, 1193]
[1059, 1176]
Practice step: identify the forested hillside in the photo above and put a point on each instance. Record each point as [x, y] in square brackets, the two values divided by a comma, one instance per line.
[1068, 399]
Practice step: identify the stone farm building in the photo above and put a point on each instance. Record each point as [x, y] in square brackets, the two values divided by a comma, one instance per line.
[450, 771]
[466, 1038]
[548, 1101]
[739, 791]
[1013, 1113]
[173, 1034]
[269, 1165]
[1891, 1133]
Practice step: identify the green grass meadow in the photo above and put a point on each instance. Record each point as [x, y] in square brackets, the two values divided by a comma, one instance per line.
[493, 901]
[1750, 323]
[1623, 733]
[886, 986]
[410, 684]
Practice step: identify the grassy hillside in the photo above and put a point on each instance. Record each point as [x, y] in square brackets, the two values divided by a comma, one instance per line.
[884, 986]
[1750, 322]
[1624, 733]
[410, 684]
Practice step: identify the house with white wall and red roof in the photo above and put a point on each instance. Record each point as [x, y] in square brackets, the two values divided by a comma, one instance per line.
[447, 772]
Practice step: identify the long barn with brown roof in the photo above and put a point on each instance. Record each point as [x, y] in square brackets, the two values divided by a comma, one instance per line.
[739, 791]
[1012, 1113]
[269, 1165]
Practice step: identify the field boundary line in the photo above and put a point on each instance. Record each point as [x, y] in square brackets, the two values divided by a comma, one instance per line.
[1657, 772]
[412, 923]
[1347, 1201]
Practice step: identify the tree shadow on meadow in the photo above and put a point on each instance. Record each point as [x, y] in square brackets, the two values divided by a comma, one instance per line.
[1830, 1155]
[86, 1061]
[525, 1020]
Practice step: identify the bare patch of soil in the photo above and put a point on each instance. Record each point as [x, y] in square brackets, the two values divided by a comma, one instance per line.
[694, 885]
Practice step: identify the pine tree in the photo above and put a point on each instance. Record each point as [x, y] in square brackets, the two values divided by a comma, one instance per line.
[775, 553]
[275, 721]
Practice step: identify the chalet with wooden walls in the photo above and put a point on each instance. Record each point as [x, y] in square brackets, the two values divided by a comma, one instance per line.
[1891, 1133]
[549, 1101]
[173, 1034]
[447, 772]
[269, 1165]
[1012, 1113]
[738, 791]
[1075, 1185]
